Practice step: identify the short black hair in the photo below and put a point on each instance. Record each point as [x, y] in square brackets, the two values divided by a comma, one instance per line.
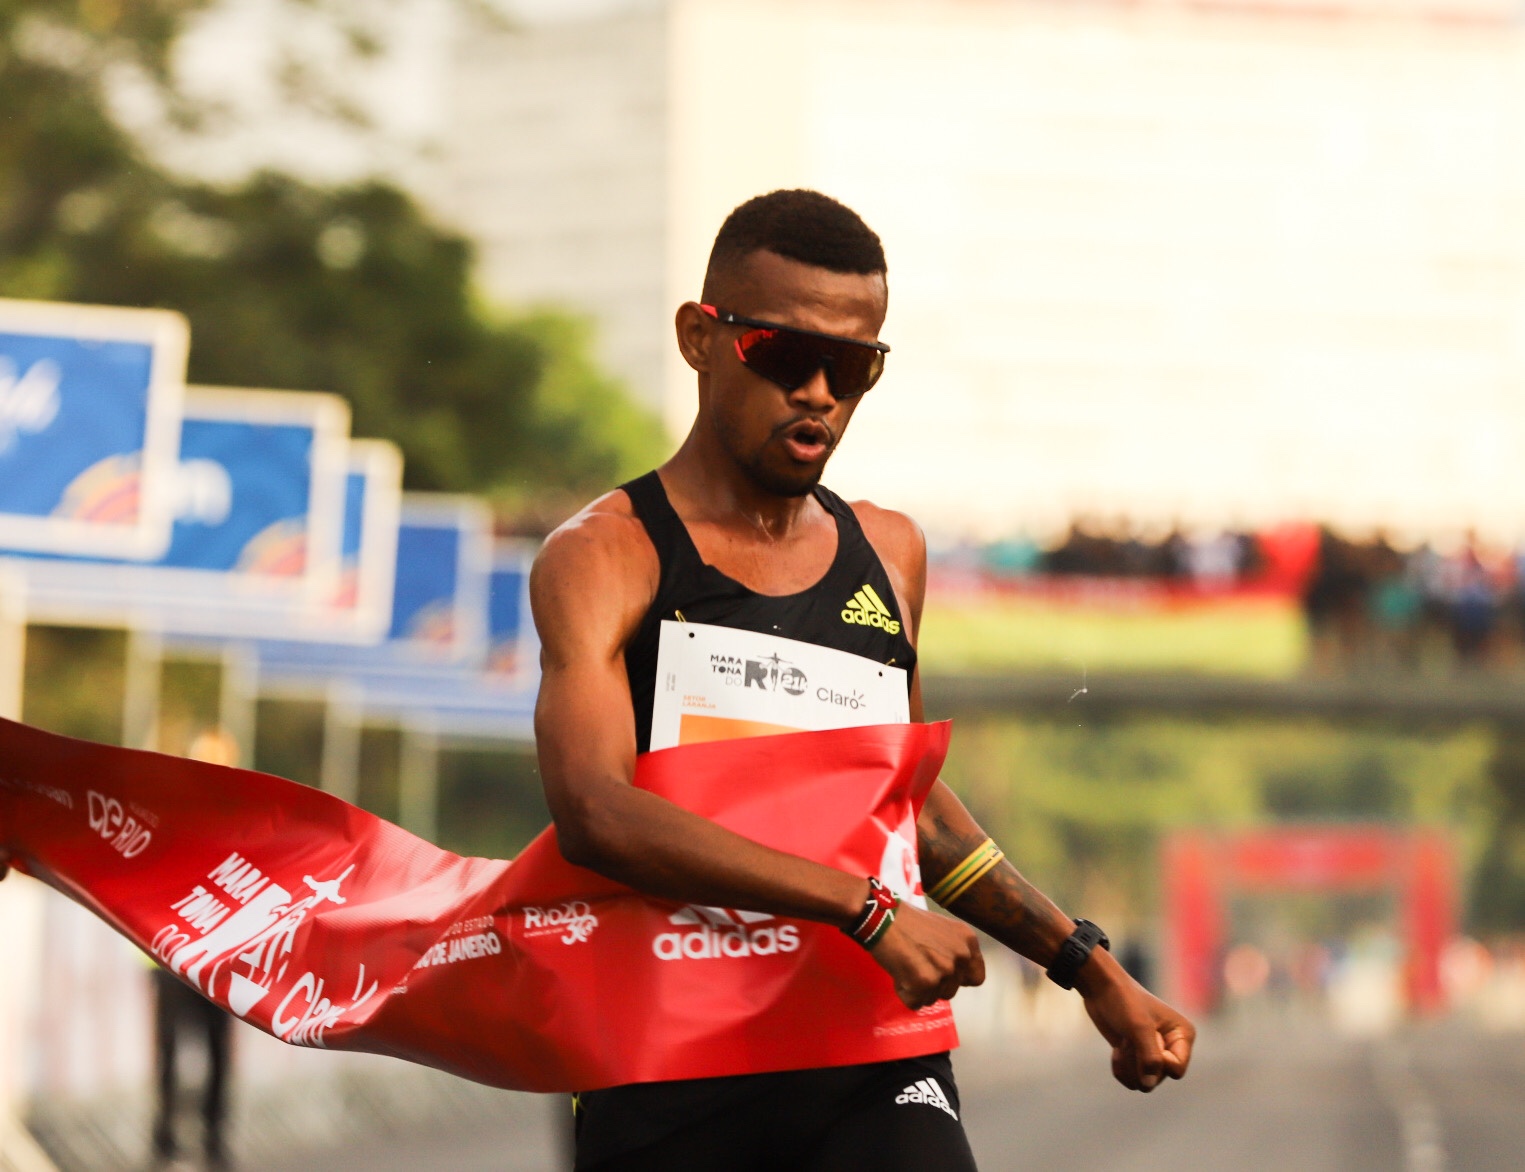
[802, 225]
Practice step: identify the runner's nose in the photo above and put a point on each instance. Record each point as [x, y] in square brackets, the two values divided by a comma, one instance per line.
[814, 393]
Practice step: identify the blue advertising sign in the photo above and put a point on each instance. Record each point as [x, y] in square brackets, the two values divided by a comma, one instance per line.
[439, 595]
[499, 699]
[259, 498]
[359, 610]
[438, 620]
[513, 648]
[483, 686]
[362, 606]
[90, 401]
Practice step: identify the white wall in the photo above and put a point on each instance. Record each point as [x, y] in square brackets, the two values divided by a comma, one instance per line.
[1223, 266]
[536, 127]
[1222, 262]
[270, 76]
[554, 159]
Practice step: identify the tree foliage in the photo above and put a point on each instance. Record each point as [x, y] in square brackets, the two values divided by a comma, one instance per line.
[287, 284]
[1083, 804]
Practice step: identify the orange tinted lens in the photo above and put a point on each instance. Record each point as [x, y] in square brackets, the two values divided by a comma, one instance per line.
[790, 359]
[854, 369]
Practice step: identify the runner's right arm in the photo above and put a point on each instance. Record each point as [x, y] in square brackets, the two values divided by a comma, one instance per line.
[590, 588]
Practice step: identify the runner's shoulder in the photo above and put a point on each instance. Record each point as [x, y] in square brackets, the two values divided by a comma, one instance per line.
[895, 536]
[603, 546]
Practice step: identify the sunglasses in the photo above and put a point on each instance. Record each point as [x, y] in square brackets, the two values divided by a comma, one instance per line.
[790, 357]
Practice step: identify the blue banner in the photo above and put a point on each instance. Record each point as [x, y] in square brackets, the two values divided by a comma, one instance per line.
[362, 606]
[512, 646]
[89, 426]
[259, 498]
[502, 692]
[438, 619]
[244, 499]
[482, 686]
[439, 596]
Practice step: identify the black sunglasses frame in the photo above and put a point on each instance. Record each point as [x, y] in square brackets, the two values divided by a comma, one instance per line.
[725, 317]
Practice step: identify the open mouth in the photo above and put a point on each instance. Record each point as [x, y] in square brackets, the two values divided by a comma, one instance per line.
[807, 441]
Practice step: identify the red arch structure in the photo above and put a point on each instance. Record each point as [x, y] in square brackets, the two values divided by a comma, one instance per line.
[1203, 868]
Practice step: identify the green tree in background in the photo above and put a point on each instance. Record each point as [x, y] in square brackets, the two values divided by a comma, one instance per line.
[287, 284]
[1083, 805]
[1498, 895]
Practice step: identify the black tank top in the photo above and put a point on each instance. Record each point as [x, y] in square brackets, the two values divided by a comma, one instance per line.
[852, 608]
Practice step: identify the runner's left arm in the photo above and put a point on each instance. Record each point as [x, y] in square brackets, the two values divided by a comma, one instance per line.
[1149, 1039]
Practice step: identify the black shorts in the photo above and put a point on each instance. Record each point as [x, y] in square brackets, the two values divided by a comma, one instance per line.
[883, 1117]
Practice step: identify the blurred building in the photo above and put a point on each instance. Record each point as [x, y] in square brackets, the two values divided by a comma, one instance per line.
[555, 159]
[1215, 261]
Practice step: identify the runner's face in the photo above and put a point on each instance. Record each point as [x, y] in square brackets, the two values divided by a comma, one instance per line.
[782, 439]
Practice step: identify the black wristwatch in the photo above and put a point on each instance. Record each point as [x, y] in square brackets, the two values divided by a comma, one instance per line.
[1074, 952]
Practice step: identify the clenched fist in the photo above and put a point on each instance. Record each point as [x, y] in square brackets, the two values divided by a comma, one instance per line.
[929, 956]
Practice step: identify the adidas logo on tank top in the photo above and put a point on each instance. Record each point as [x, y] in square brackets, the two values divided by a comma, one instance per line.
[867, 609]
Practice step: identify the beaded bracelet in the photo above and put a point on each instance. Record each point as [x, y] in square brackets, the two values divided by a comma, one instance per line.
[878, 914]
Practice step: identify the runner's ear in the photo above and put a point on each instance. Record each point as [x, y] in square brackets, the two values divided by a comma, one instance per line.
[694, 336]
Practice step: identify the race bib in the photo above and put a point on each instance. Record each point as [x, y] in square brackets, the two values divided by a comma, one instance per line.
[719, 683]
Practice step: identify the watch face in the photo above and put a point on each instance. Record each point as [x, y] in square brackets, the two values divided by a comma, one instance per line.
[1095, 932]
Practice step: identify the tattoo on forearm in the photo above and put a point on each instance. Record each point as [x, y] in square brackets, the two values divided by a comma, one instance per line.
[1002, 904]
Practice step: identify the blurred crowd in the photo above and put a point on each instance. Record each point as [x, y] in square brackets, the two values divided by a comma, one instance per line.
[1370, 603]
[1359, 981]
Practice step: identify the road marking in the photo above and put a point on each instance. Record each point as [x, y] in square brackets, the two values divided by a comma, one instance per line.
[1424, 1148]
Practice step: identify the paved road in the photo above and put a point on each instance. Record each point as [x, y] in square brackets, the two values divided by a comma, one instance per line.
[1273, 1097]
[1245, 1106]
[1280, 1096]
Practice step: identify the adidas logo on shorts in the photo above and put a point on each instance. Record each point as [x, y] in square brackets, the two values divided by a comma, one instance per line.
[926, 1090]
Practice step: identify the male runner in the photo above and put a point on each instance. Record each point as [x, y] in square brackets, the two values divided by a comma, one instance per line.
[735, 530]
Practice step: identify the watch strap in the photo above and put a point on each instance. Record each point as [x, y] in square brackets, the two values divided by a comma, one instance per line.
[1075, 951]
